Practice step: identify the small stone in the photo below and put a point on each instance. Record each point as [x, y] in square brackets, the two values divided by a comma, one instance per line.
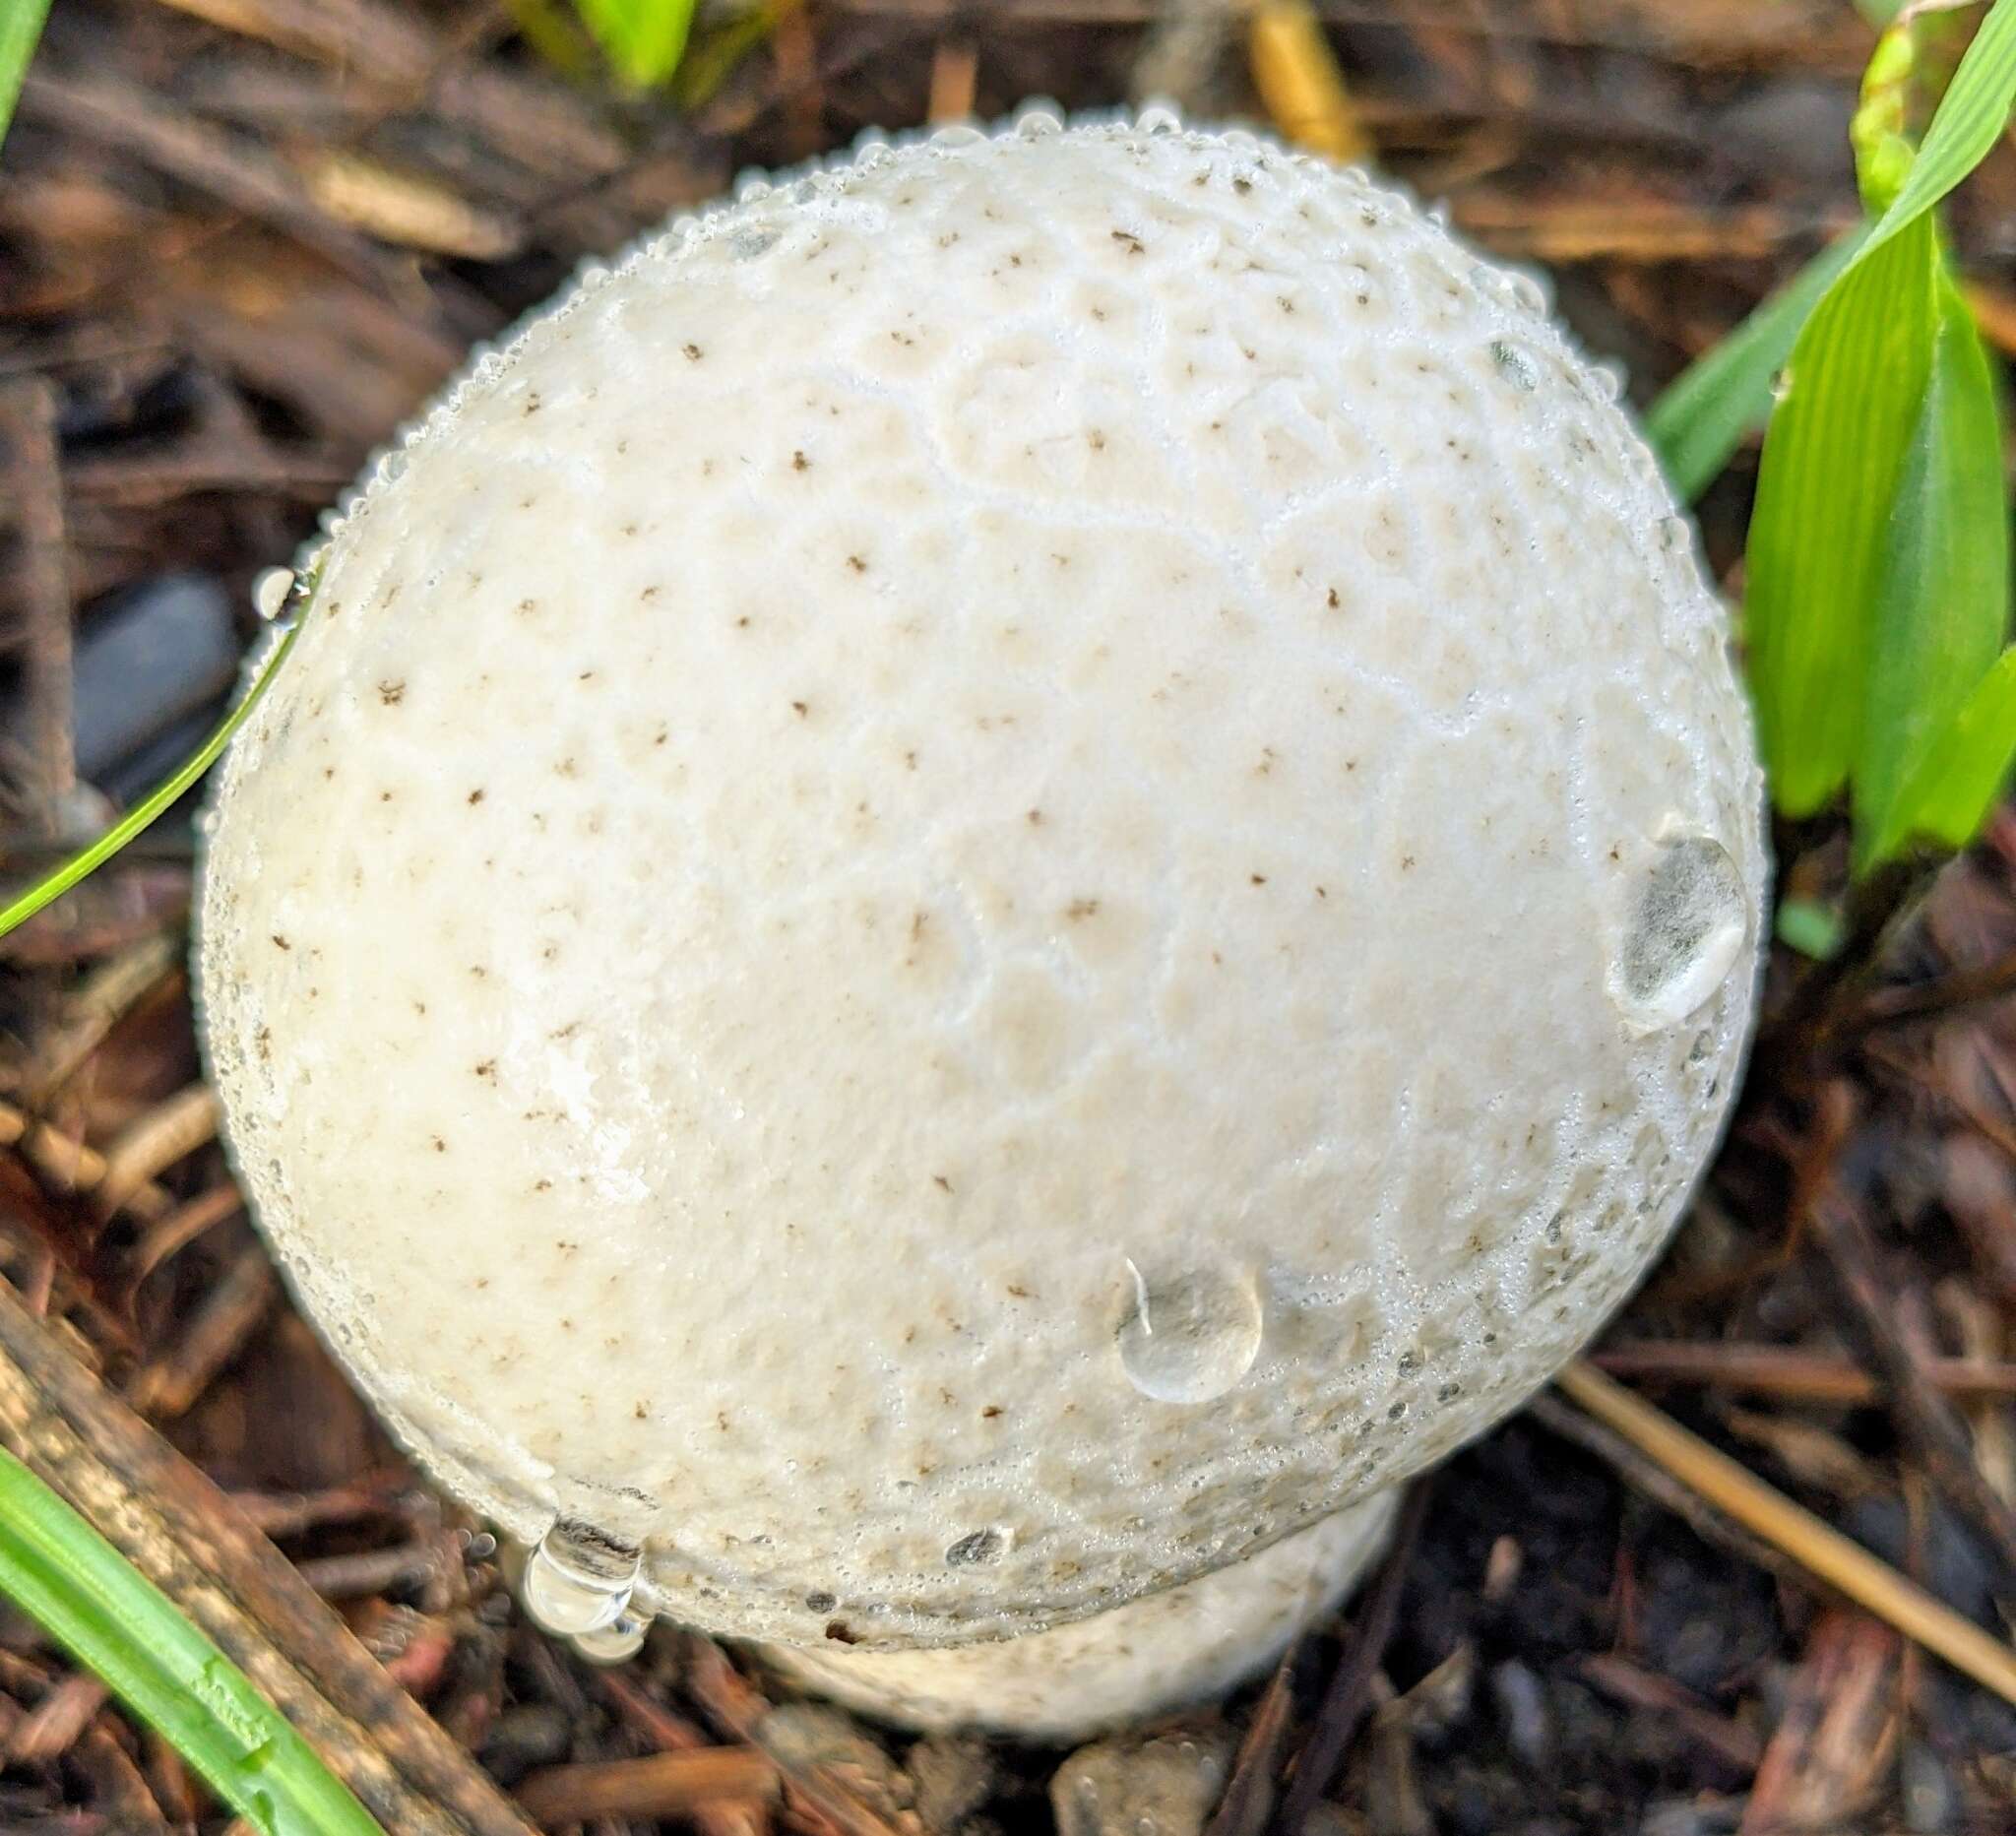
[536, 1733]
[1164, 1787]
[805, 1735]
[949, 1779]
[1930, 1804]
[1522, 1707]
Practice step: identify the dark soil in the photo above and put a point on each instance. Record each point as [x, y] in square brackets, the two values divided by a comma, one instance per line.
[198, 347]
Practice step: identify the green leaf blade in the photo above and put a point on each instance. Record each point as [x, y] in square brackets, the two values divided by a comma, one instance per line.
[1704, 414]
[1832, 457]
[21, 27]
[1942, 597]
[117, 1624]
[1954, 786]
[644, 39]
[1970, 121]
[86, 861]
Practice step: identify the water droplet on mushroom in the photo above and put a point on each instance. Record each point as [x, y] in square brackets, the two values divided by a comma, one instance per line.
[751, 187]
[270, 591]
[1683, 931]
[1158, 118]
[579, 1579]
[1038, 124]
[1529, 293]
[621, 1638]
[1191, 1336]
[1609, 379]
[977, 1550]
[957, 134]
[1514, 365]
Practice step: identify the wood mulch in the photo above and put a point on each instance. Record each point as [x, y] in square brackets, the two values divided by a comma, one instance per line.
[240, 241]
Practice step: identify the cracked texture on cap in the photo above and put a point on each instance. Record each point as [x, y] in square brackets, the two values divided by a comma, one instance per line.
[1005, 872]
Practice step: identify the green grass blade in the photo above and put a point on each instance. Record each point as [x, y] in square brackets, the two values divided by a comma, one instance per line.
[1832, 457]
[1703, 414]
[1954, 786]
[54, 884]
[644, 39]
[116, 1623]
[1942, 597]
[1970, 121]
[21, 27]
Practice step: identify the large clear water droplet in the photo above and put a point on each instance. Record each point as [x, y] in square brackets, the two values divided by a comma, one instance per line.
[954, 135]
[621, 1639]
[1515, 366]
[270, 590]
[1683, 931]
[1039, 123]
[579, 1578]
[1191, 1335]
[1158, 118]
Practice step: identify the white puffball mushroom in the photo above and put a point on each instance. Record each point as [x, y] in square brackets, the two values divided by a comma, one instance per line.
[1004, 872]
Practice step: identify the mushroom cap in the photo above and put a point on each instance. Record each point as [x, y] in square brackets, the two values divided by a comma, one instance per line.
[1164, 1650]
[1007, 870]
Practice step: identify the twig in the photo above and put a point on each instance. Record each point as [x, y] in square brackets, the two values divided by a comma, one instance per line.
[169, 1385]
[1838, 1731]
[1807, 1027]
[536, 122]
[672, 1733]
[237, 173]
[372, 1572]
[1249, 1793]
[185, 1536]
[1663, 1487]
[1346, 1700]
[1932, 1424]
[34, 491]
[1927, 1001]
[288, 1514]
[56, 1723]
[1786, 1370]
[1733, 1744]
[181, 1228]
[151, 1144]
[1766, 1513]
[732, 1703]
[1295, 71]
[955, 69]
[101, 1001]
[662, 1785]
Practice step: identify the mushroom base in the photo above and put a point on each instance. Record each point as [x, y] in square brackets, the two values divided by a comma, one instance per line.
[1119, 1667]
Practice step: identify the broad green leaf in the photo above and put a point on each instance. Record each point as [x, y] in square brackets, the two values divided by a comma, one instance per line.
[1703, 414]
[1811, 928]
[1942, 595]
[642, 39]
[1832, 455]
[86, 861]
[1970, 121]
[1952, 788]
[75, 1585]
[21, 25]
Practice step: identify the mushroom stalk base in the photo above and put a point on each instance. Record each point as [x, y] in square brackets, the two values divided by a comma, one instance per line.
[1119, 1667]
